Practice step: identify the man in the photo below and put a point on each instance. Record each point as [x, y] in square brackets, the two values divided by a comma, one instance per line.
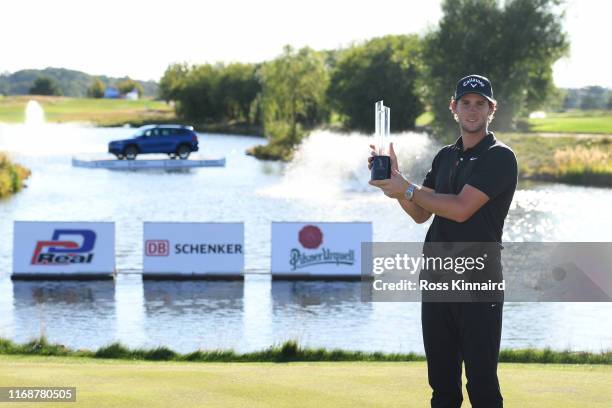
[469, 189]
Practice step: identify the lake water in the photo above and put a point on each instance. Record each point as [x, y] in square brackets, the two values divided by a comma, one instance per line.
[327, 181]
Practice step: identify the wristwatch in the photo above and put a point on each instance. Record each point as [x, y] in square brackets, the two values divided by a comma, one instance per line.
[410, 192]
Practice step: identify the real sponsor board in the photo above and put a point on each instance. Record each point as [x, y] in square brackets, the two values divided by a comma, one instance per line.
[63, 248]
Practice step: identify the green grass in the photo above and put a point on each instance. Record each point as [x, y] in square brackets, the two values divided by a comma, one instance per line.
[569, 159]
[289, 376]
[116, 383]
[574, 122]
[289, 351]
[103, 112]
[572, 147]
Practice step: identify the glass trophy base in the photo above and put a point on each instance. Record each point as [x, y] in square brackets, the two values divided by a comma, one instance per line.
[381, 168]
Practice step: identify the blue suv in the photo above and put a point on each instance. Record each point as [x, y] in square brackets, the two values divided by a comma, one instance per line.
[174, 140]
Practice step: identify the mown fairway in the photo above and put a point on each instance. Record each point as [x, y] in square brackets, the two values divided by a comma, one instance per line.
[574, 122]
[116, 383]
[104, 112]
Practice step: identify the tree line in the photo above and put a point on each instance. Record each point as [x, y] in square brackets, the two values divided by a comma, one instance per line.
[590, 97]
[67, 82]
[49, 87]
[304, 88]
[513, 42]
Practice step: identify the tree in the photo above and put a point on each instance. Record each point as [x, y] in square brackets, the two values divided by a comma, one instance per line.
[44, 86]
[238, 89]
[514, 43]
[96, 89]
[572, 99]
[197, 96]
[172, 81]
[212, 93]
[384, 68]
[294, 86]
[128, 85]
[593, 97]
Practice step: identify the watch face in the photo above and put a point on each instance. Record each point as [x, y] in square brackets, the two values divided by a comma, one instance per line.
[409, 192]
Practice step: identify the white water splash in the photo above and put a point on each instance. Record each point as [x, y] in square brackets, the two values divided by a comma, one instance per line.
[35, 137]
[46, 139]
[328, 164]
[34, 114]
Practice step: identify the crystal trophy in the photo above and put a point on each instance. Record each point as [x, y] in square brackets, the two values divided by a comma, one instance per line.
[381, 164]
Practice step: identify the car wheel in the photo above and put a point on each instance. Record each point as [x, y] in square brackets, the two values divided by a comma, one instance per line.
[131, 152]
[183, 152]
[172, 156]
[120, 157]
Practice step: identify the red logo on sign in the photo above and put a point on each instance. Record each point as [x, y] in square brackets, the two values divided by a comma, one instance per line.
[157, 247]
[310, 237]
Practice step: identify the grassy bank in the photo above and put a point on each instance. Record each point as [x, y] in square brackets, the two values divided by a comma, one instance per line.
[568, 159]
[273, 150]
[115, 383]
[572, 147]
[289, 351]
[110, 112]
[570, 122]
[12, 176]
[102, 112]
[575, 121]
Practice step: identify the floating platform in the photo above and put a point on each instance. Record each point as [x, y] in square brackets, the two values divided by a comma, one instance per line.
[319, 277]
[62, 276]
[192, 277]
[147, 163]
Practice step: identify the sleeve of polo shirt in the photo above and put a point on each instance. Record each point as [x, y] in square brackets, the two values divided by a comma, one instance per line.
[496, 173]
[430, 177]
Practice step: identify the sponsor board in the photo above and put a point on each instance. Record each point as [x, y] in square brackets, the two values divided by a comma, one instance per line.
[189, 249]
[318, 249]
[63, 248]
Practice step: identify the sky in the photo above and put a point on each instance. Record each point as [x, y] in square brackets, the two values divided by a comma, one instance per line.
[141, 38]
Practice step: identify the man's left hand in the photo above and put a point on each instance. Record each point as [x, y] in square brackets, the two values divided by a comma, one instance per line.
[395, 187]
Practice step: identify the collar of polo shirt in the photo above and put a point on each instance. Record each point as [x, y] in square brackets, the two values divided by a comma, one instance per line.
[486, 141]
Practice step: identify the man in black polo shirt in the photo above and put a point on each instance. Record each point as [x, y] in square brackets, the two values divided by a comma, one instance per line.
[469, 189]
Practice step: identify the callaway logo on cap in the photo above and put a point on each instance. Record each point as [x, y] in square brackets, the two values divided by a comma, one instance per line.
[474, 84]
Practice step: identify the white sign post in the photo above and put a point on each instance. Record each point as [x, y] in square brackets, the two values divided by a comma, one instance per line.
[63, 250]
[318, 250]
[174, 250]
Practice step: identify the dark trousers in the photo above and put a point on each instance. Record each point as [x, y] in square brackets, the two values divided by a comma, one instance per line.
[467, 332]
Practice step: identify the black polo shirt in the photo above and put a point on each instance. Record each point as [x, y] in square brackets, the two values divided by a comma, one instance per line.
[491, 167]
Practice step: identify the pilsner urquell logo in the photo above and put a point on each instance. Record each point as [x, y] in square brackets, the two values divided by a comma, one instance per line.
[311, 237]
[63, 251]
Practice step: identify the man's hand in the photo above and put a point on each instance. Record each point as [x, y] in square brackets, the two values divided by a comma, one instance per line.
[391, 154]
[395, 187]
[397, 184]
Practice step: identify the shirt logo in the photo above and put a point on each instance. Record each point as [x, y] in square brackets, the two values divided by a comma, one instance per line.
[473, 158]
